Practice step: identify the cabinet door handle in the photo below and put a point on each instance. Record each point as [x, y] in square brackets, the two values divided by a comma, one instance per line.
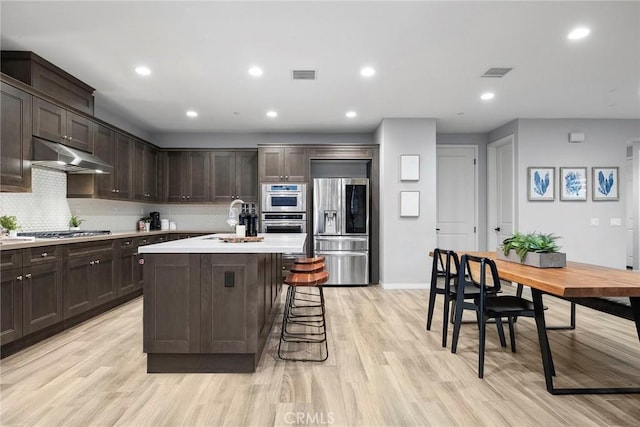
[92, 262]
[113, 190]
[19, 278]
[70, 138]
[28, 275]
[286, 178]
[280, 177]
[127, 243]
[117, 191]
[44, 254]
[97, 261]
[188, 197]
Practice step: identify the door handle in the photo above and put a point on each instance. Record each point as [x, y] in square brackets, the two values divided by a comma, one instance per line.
[497, 229]
[437, 229]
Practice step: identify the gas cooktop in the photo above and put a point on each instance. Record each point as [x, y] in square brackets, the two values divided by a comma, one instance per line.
[64, 234]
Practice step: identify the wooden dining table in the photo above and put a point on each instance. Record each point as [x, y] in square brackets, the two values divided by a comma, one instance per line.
[575, 281]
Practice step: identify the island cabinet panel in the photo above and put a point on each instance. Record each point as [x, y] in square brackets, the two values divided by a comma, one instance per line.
[227, 306]
[10, 305]
[208, 312]
[172, 304]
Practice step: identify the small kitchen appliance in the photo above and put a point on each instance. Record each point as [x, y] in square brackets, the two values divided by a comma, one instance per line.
[155, 221]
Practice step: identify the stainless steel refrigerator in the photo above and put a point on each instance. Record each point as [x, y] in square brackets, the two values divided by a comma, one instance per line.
[341, 228]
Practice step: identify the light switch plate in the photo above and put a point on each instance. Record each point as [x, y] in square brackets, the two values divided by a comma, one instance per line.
[615, 222]
[595, 222]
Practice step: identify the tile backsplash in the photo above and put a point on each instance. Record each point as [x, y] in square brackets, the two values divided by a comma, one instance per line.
[46, 208]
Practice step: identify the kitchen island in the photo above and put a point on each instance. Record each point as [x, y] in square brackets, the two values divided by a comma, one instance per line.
[209, 305]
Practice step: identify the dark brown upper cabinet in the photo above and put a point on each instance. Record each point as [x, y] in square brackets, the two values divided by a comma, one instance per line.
[283, 164]
[187, 176]
[54, 123]
[145, 172]
[15, 139]
[235, 176]
[42, 75]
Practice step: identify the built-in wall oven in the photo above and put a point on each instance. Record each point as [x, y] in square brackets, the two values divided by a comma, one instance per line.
[284, 222]
[289, 197]
[284, 211]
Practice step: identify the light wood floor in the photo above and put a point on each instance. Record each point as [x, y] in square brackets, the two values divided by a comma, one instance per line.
[384, 368]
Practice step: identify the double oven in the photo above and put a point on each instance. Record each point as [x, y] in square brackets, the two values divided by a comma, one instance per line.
[284, 209]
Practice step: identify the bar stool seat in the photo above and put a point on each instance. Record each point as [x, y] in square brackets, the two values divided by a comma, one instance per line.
[309, 260]
[307, 319]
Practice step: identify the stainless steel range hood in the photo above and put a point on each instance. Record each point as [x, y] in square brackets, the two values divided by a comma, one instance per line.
[53, 155]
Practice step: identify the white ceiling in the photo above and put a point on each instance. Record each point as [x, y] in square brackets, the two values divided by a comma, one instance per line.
[428, 55]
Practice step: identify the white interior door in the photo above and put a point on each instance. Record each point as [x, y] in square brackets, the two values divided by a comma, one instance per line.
[500, 191]
[456, 198]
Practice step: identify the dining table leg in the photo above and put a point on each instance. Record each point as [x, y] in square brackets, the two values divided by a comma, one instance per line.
[635, 308]
[547, 358]
[543, 339]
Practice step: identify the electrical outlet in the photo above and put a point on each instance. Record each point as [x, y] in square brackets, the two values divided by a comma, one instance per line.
[595, 222]
[615, 222]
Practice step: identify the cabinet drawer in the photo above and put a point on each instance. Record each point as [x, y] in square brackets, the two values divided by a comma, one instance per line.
[10, 259]
[90, 248]
[128, 246]
[44, 254]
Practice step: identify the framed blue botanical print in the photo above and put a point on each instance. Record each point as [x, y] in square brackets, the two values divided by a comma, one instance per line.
[605, 183]
[573, 184]
[542, 183]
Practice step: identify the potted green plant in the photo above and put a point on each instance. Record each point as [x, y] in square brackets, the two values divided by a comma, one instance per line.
[535, 249]
[10, 224]
[74, 222]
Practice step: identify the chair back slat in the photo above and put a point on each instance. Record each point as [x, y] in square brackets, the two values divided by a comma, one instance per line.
[445, 264]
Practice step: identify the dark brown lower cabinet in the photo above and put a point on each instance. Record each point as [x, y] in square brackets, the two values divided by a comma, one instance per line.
[130, 270]
[89, 279]
[42, 296]
[10, 305]
[208, 312]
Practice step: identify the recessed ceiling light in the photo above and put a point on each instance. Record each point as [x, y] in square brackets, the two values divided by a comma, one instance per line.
[255, 71]
[578, 33]
[367, 72]
[487, 96]
[192, 113]
[351, 114]
[143, 71]
[272, 114]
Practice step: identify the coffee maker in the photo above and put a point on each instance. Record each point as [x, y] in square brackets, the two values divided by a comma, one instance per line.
[155, 220]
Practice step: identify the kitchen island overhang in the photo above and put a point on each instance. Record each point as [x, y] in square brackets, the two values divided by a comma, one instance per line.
[209, 305]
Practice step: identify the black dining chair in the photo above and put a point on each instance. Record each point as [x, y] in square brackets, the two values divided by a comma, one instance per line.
[445, 266]
[473, 271]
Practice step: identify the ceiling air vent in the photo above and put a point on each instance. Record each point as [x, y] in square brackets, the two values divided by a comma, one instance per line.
[496, 72]
[303, 74]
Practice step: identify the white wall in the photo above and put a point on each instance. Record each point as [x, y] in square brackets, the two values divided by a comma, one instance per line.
[405, 242]
[544, 142]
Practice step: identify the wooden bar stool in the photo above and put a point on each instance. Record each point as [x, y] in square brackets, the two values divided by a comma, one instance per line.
[305, 323]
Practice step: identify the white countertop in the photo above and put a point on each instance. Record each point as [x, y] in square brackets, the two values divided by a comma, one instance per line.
[211, 244]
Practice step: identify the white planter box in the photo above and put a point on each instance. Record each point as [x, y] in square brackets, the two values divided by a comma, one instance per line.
[534, 259]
